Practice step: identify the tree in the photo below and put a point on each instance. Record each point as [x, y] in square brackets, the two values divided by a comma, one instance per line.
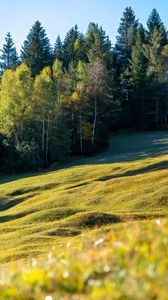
[9, 58]
[138, 80]
[97, 78]
[51, 125]
[164, 60]
[60, 136]
[36, 50]
[98, 45]
[126, 37]
[74, 47]
[154, 23]
[58, 49]
[80, 97]
[43, 107]
[15, 105]
[15, 112]
[152, 51]
[59, 78]
[123, 49]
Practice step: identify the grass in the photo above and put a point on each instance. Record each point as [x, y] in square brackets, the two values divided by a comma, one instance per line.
[131, 264]
[129, 182]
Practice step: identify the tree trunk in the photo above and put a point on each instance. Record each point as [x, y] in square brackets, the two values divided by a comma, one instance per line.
[47, 137]
[157, 113]
[73, 130]
[43, 132]
[95, 122]
[143, 110]
[16, 137]
[81, 139]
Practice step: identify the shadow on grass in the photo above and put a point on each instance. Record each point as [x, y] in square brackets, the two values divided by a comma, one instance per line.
[63, 232]
[91, 220]
[6, 204]
[152, 168]
[20, 192]
[8, 218]
[51, 215]
[123, 147]
[95, 219]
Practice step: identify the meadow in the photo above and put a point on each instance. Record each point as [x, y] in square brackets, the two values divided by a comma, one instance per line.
[99, 218]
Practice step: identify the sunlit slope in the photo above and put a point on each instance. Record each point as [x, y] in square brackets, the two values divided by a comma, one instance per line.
[128, 182]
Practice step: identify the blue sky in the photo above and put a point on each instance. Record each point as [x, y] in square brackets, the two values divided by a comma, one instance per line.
[58, 16]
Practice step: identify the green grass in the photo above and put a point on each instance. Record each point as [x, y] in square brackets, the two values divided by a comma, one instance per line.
[128, 182]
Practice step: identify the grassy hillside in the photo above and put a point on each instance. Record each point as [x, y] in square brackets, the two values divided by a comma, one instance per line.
[126, 183]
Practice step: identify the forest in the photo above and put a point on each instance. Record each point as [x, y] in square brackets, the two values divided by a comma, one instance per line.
[64, 100]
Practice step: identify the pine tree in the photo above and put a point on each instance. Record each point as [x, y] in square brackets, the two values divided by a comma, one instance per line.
[58, 49]
[152, 51]
[80, 48]
[36, 50]
[68, 46]
[9, 58]
[164, 60]
[74, 47]
[126, 37]
[138, 80]
[123, 49]
[138, 62]
[154, 23]
[98, 44]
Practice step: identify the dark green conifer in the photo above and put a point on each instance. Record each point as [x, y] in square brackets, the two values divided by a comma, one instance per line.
[74, 47]
[154, 23]
[58, 49]
[98, 44]
[126, 37]
[36, 50]
[9, 58]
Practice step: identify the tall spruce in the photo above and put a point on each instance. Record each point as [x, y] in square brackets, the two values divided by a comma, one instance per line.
[164, 60]
[155, 23]
[152, 51]
[98, 44]
[9, 58]
[138, 61]
[138, 80]
[126, 37]
[36, 50]
[58, 49]
[123, 49]
[74, 47]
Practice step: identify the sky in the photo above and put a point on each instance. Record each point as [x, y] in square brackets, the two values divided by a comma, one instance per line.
[58, 16]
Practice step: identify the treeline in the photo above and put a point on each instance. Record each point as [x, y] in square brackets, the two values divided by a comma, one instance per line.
[64, 100]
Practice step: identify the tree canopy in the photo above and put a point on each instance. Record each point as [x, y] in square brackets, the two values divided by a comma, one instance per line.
[66, 99]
